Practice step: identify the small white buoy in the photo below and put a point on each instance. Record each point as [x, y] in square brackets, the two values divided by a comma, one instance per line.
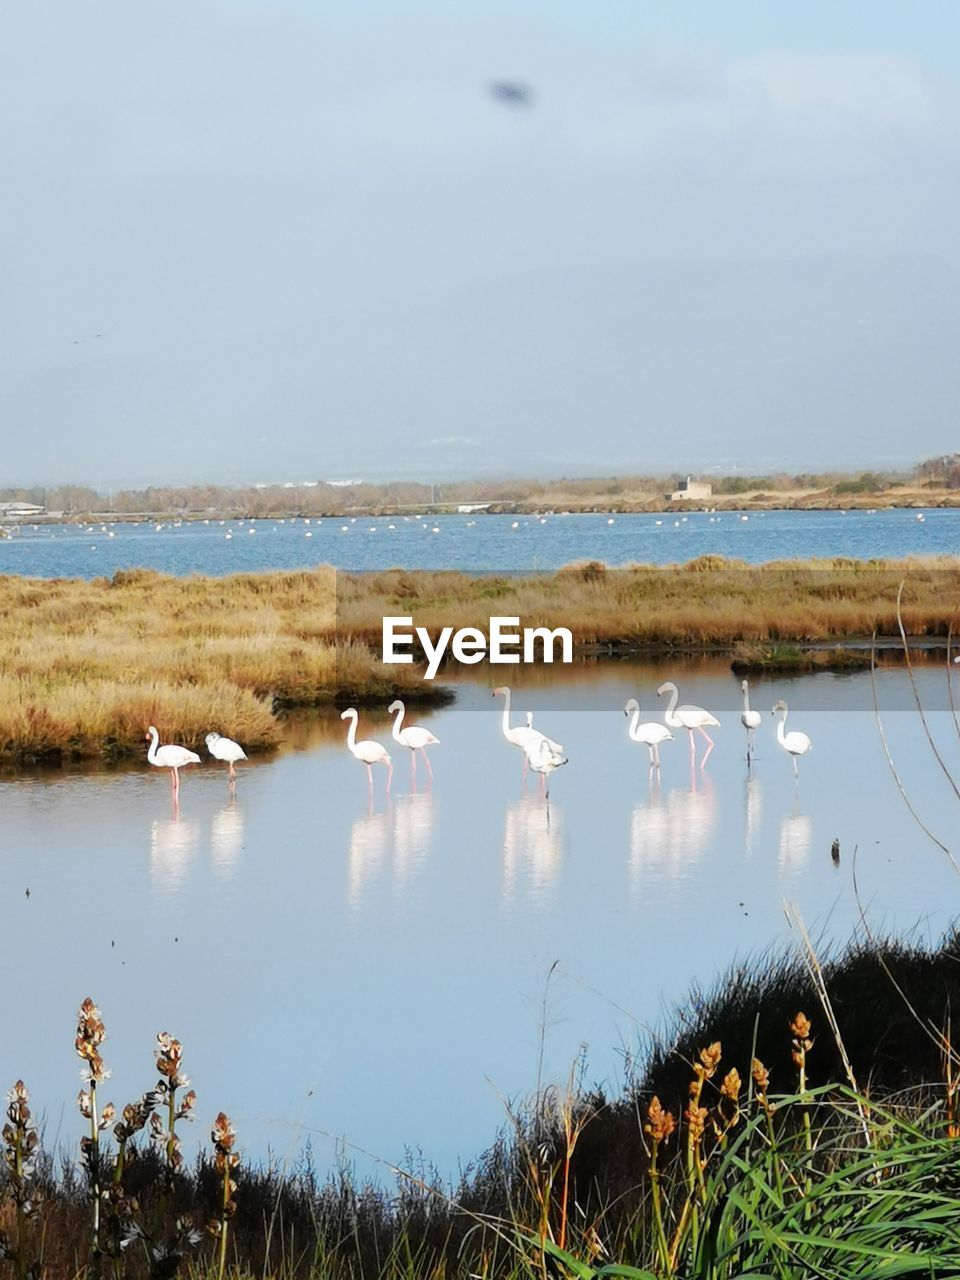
[515, 525]
[344, 528]
[308, 534]
[228, 536]
[610, 521]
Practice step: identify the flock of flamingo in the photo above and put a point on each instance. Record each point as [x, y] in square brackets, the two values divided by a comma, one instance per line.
[540, 753]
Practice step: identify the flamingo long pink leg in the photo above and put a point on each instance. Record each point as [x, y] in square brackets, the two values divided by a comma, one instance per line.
[389, 775]
[706, 754]
[426, 758]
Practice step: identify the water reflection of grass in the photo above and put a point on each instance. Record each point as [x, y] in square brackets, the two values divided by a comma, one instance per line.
[85, 666]
[751, 1140]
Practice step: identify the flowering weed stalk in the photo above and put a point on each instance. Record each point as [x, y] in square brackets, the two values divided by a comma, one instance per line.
[169, 1059]
[225, 1162]
[659, 1127]
[90, 1036]
[801, 1046]
[20, 1144]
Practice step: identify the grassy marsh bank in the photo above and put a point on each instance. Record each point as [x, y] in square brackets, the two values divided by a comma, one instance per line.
[745, 1142]
[85, 666]
[710, 603]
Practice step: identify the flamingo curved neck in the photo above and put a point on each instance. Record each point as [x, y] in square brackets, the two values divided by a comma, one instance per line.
[746, 701]
[669, 717]
[506, 713]
[154, 741]
[635, 720]
[398, 720]
[781, 727]
[352, 731]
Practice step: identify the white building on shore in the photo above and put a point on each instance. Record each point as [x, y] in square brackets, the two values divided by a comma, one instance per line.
[21, 511]
[692, 491]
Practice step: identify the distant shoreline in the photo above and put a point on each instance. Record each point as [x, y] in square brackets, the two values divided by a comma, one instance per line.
[721, 504]
[930, 484]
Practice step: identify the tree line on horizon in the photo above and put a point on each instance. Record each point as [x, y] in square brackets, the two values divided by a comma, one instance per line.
[323, 498]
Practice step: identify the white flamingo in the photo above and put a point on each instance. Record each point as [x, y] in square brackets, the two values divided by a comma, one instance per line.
[543, 755]
[169, 756]
[795, 742]
[519, 735]
[651, 734]
[413, 736]
[687, 717]
[366, 750]
[750, 720]
[225, 749]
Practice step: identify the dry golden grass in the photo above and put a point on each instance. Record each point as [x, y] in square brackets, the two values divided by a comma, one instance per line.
[707, 602]
[86, 666]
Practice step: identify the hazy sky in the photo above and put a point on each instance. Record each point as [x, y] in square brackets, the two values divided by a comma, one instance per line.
[279, 241]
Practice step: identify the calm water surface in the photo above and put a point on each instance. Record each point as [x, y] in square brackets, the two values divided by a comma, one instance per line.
[377, 972]
[472, 544]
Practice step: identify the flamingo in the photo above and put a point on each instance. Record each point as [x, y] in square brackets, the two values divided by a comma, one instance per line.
[225, 749]
[366, 751]
[797, 743]
[751, 720]
[687, 717]
[518, 736]
[650, 734]
[413, 736]
[169, 756]
[542, 754]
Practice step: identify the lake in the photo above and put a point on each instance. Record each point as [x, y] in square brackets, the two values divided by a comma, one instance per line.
[378, 972]
[473, 544]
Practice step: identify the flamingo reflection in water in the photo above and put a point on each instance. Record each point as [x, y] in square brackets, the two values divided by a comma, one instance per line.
[369, 842]
[532, 849]
[412, 832]
[796, 833]
[752, 809]
[226, 835]
[668, 836]
[172, 842]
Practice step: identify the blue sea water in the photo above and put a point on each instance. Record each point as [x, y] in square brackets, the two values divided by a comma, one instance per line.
[472, 543]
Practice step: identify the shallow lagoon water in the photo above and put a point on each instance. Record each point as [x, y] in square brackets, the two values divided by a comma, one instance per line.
[378, 972]
[473, 544]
